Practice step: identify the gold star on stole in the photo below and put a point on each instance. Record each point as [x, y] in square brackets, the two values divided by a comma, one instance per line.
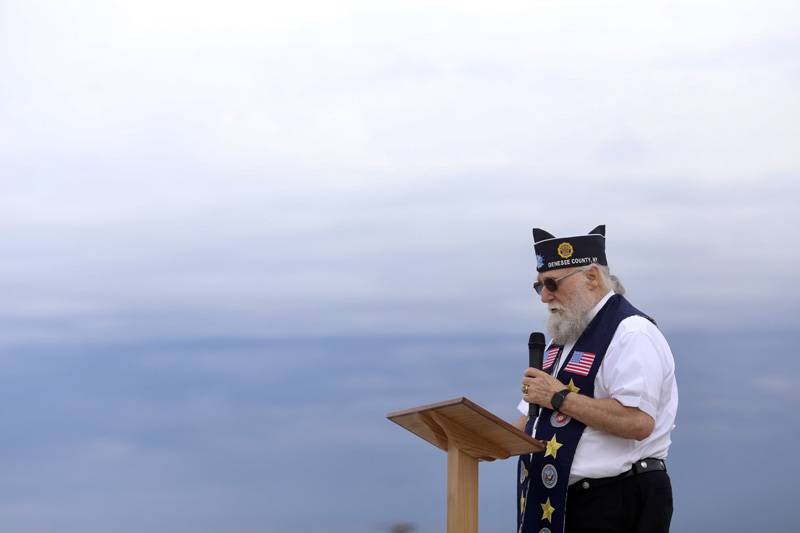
[552, 447]
[522, 505]
[547, 511]
[572, 387]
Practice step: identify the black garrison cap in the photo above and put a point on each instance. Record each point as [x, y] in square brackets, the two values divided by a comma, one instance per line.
[562, 252]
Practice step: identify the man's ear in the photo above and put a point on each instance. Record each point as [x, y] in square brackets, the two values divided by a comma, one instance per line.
[593, 278]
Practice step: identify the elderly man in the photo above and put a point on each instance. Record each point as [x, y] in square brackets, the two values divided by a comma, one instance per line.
[608, 397]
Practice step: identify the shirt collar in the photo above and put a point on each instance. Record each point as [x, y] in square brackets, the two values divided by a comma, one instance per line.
[596, 309]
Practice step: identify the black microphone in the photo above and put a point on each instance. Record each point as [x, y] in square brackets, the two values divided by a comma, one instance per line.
[535, 356]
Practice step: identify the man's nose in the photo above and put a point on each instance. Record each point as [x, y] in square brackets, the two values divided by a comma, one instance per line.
[546, 295]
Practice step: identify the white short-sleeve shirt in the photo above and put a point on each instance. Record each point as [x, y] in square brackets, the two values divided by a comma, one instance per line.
[638, 370]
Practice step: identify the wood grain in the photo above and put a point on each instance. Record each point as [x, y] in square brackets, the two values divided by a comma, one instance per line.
[479, 433]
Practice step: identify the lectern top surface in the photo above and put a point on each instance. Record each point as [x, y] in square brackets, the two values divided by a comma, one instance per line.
[469, 426]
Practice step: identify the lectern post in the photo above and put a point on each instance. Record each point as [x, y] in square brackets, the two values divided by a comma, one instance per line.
[468, 433]
[462, 491]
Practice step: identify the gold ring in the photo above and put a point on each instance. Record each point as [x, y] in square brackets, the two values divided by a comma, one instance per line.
[524, 388]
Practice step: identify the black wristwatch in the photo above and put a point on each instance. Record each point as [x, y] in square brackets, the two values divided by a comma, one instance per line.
[558, 399]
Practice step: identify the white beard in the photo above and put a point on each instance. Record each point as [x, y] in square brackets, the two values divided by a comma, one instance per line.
[566, 323]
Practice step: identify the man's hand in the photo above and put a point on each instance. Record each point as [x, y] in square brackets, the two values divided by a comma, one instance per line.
[606, 414]
[541, 387]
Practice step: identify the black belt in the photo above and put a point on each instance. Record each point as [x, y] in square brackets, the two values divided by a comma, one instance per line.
[639, 467]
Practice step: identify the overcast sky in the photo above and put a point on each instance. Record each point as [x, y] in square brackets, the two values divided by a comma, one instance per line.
[264, 168]
[174, 172]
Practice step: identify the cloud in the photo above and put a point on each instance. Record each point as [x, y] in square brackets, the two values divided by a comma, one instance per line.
[785, 387]
[270, 169]
[361, 91]
[452, 255]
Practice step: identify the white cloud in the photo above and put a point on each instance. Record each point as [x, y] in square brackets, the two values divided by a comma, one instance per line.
[251, 166]
[782, 386]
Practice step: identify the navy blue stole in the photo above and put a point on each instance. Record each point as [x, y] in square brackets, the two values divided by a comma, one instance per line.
[544, 477]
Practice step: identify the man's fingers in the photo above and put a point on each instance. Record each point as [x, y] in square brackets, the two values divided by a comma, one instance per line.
[534, 372]
[528, 384]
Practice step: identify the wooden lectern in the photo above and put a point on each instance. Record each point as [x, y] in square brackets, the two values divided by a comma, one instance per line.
[468, 433]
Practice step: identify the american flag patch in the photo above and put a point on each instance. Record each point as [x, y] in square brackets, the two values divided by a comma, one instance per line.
[580, 363]
[550, 356]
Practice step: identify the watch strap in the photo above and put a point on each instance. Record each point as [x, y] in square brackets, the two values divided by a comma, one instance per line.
[558, 399]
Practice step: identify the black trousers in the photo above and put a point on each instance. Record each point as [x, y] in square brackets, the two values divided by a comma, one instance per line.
[636, 504]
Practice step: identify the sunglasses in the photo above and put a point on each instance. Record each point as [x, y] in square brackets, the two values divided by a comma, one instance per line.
[551, 284]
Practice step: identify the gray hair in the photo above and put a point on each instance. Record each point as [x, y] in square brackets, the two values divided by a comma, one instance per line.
[610, 280]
